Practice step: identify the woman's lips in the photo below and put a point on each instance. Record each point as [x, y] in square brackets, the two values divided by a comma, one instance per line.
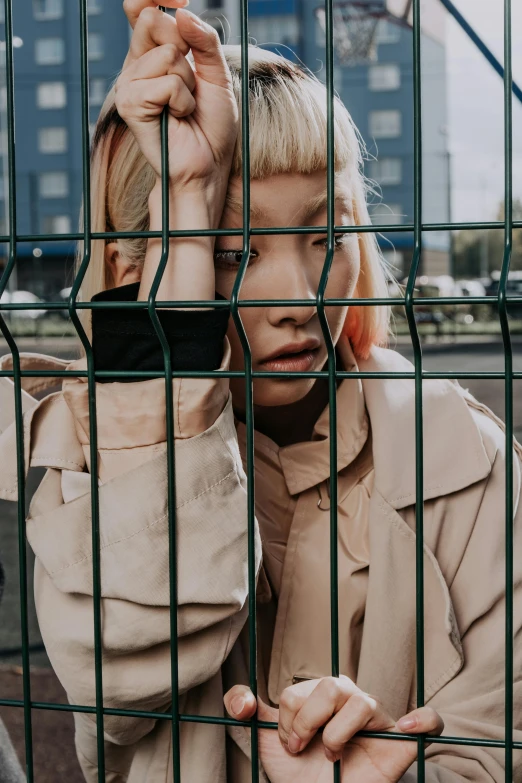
[294, 362]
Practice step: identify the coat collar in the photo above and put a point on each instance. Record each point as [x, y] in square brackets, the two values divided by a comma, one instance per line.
[387, 408]
[450, 463]
[307, 464]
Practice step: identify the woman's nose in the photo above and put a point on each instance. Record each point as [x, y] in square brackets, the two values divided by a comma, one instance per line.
[292, 281]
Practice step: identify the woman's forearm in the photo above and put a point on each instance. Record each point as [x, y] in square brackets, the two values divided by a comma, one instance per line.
[189, 273]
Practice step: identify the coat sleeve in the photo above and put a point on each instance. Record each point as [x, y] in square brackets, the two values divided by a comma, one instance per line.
[211, 537]
[472, 704]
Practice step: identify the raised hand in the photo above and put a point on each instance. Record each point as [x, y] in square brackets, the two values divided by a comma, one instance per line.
[203, 115]
[298, 753]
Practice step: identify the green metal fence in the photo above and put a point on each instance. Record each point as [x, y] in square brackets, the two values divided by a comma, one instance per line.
[409, 302]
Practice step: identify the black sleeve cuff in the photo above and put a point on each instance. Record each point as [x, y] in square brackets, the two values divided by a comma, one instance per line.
[124, 339]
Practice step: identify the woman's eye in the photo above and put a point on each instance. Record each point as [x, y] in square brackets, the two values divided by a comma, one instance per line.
[229, 258]
[339, 241]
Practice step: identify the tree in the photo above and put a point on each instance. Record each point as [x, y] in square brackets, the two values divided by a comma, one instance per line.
[482, 251]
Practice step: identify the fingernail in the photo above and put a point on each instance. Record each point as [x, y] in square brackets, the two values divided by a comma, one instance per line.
[405, 724]
[237, 704]
[330, 755]
[294, 743]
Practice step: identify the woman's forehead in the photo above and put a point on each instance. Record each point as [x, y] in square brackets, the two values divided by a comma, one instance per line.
[286, 199]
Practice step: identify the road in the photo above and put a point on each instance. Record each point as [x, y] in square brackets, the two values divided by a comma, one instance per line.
[54, 754]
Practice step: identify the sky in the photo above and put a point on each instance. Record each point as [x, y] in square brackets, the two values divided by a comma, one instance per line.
[475, 111]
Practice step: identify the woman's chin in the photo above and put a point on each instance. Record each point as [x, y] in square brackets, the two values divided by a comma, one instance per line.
[275, 392]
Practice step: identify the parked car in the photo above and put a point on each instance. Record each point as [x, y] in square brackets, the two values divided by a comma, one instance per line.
[23, 297]
[513, 288]
[63, 296]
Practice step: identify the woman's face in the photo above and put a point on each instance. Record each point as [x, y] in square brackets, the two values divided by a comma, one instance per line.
[285, 266]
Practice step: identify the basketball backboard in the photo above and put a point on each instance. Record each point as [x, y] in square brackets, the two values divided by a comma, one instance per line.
[356, 24]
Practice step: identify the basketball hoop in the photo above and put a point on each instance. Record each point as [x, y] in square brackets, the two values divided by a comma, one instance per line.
[354, 29]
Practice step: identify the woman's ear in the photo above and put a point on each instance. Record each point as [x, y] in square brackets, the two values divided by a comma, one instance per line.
[121, 271]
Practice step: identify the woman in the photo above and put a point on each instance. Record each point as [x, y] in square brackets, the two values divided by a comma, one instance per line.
[463, 462]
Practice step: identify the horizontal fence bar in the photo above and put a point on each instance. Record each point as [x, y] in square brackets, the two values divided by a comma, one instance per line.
[393, 228]
[428, 375]
[210, 719]
[223, 303]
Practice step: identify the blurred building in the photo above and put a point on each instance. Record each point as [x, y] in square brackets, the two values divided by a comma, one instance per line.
[377, 91]
[48, 124]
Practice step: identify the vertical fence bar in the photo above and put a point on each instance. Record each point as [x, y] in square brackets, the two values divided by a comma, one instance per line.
[249, 399]
[170, 432]
[419, 440]
[20, 450]
[332, 379]
[508, 388]
[93, 427]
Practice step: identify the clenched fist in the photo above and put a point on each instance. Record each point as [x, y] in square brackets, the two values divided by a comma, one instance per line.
[203, 114]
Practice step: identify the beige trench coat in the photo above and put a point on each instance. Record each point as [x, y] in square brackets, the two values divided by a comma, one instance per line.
[464, 460]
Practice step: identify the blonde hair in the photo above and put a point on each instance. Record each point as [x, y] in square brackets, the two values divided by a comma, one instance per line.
[287, 134]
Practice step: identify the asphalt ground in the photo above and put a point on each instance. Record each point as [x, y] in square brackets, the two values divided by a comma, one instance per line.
[54, 756]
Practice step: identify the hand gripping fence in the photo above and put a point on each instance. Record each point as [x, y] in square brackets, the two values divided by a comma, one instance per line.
[173, 715]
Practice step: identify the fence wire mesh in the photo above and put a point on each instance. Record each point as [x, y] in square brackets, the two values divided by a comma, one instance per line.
[331, 373]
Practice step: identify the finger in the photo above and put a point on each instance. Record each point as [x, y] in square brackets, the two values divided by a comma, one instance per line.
[206, 49]
[166, 59]
[421, 721]
[357, 713]
[153, 29]
[326, 691]
[240, 702]
[325, 701]
[133, 8]
[144, 99]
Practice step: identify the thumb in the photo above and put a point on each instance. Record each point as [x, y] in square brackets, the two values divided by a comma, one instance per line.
[206, 48]
[241, 705]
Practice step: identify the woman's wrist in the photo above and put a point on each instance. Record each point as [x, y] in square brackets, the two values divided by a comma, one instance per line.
[189, 273]
[208, 198]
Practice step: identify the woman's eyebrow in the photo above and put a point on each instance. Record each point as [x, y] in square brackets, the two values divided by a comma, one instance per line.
[309, 209]
[318, 203]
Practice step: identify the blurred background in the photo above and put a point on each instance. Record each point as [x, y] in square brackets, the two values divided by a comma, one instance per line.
[463, 172]
[463, 181]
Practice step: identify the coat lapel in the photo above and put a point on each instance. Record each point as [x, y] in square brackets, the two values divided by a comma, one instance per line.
[454, 458]
[454, 453]
[387, 664]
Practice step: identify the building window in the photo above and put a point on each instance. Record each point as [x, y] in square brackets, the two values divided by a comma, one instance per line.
[48, 9]
[387, 214]
[382, 78]
[54, 184]
[387, 32]
[280, 29]
[387, 171]
[213, 4]
[49, 51]
[95, 46]
[56, 224]
[97, 92]
[94, 7]
[52, 140]
[51, 95]
[385, 124]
